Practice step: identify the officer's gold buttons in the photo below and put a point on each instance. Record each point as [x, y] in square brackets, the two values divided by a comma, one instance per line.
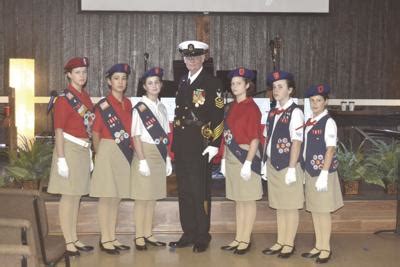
[186, 107]
[183, 117]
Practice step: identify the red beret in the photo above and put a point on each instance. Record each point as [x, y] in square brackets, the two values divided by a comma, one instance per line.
[76, 62]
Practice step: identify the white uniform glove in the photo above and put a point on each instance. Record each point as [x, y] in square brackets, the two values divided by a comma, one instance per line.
[212, 151]
[223, 170]
[322, 181]
[245, 172]
[144, 168]
[62, 168]
[168, 166]
[91, 160]
[290, 176]
[264, 171]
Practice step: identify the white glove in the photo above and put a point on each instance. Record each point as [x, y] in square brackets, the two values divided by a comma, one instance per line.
[62, 168]
[290, 176]
[91, 160]
[212, 151]
[264, 171]
[245, 172]
[322, 181]
[144, 168]
[223, 170]
[168, 166]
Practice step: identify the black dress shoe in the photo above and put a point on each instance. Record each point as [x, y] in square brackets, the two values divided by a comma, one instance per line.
[285, 255]
[243, 251]
[154, 243]
[230, 248]
[72, 253]
[83, 248]
[140, 247]
[311, 255]
[180, 244]
[111, 251]
[199, 247]
[122, 247]
[324, 260]
[269, 251]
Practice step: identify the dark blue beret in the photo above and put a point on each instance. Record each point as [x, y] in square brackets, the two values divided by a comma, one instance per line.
[278, 75]
[241, 72]
[120, 67]
[319, 89]
[157, 71]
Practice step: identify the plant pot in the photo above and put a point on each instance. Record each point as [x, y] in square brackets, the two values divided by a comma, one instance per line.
[391, 189]
[351, 187]
[30, 185]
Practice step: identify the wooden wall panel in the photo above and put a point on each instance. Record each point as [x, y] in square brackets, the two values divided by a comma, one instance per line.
[355, 48]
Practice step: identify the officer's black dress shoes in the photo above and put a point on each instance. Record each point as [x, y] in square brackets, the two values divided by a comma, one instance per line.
[121, 247]
[83, 248]
[180, 244]
[311, 255]
[111, 251]
[244, 250]
[154, 243]
[199, 247]
[140, 247]
[285, 255]
[230, 248]
[324, 260]
[269, 251]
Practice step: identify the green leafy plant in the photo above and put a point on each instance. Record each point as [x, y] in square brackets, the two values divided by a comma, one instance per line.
[32, 161]
[382, 162]
[351, 162]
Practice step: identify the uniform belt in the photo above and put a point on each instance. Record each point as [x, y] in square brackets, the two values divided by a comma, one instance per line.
[188, 122]
[76, 140]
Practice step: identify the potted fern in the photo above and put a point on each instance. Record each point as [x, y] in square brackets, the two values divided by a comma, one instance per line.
[351, 168]
[31, 163]
[382, 164]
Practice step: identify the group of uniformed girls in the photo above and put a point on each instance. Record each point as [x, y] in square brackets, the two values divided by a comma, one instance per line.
[295, 153]
[116, 130]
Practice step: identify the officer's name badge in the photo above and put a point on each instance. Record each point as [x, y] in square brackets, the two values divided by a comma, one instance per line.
[199, 97]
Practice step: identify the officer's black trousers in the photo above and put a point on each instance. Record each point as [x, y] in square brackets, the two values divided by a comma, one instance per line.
[194, 192]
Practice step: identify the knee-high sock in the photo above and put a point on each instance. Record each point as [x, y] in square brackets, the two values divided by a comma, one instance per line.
[148, 218]
[292, 222]
[114, 207]
[74, 219]
[326, 228]
[65, 213]
[249, 218]
[104, 214]
[317, 229]
[281, 225]
[140, 208]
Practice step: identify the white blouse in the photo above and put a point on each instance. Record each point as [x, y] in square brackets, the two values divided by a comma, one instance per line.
[159, 111]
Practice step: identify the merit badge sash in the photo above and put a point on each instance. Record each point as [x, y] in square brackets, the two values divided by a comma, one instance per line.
[154, 128]
[239, 152]
[87, 115]
[116, 128]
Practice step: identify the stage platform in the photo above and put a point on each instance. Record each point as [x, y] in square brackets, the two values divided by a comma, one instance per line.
[357, 216]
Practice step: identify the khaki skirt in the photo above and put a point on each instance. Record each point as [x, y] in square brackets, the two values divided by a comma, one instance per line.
[78, 161]
[236, 188]
[323, 201]
[149, 187]
[281, 195]
[111, 174]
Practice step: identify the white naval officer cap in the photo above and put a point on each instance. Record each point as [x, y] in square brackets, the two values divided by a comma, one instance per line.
[192, 48]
